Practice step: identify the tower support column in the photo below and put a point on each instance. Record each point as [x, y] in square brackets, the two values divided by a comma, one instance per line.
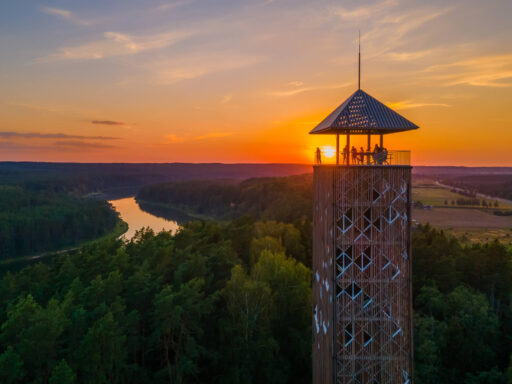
[348, 147]
[361, 275]
[337, 149]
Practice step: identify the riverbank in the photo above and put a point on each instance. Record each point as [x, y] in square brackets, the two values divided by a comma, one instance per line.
[17, 263]
[139, 217]
[174, 212]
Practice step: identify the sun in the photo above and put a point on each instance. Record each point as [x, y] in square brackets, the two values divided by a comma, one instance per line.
[328, 151]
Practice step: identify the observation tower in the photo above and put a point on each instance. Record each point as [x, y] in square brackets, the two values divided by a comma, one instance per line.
[362, 309]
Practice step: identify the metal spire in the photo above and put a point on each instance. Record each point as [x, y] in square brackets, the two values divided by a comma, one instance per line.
[359, 67]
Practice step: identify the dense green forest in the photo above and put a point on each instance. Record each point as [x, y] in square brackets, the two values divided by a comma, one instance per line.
[82, 178]
[462, 294]
[229, 303]
[44, 220]
[214, 304]
[462, 299]
[492, 185]
[287, 199]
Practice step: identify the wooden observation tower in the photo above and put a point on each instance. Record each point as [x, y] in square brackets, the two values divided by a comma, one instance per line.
[362, 312]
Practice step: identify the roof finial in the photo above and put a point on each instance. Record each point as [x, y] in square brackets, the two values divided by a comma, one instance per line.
[359, 67]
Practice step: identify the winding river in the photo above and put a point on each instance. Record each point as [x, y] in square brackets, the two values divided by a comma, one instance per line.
[136, 218]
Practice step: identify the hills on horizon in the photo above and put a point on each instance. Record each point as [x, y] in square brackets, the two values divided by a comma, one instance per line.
[113, 177]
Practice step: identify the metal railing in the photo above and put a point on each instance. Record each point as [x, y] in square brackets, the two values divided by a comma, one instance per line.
[383, 158]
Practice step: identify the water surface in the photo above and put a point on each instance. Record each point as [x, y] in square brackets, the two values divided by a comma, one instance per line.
[137, 218]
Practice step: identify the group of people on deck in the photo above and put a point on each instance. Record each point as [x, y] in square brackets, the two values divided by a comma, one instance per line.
[379, 155]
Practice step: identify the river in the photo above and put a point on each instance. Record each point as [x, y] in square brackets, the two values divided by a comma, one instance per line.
[136, 218]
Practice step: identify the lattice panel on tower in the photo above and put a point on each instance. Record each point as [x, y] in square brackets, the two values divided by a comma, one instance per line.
[368, 240]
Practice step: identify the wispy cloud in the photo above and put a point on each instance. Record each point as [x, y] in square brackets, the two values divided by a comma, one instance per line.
[10, 145]
[38, 135]
[302, 89]
[214, 135]
[174, 139]
[484, 71]
[65, 15]
[409, 104]
[196, 66]
[82, 144]
[59, 145]
[36, 107]
[363, 12]
[226, 98]
[54, 109]
[408, 56]
[392, 31]
[107, 122]
[168, 5]
[118, 44]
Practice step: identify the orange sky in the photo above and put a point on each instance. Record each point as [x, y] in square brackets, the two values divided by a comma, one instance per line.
[187, 81]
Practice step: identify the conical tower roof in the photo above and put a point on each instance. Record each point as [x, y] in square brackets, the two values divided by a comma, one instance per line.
[363, 114]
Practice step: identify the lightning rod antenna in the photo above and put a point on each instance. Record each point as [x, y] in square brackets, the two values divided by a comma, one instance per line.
[359, 66]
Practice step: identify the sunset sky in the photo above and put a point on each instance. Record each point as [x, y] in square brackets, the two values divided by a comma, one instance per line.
[245, 80]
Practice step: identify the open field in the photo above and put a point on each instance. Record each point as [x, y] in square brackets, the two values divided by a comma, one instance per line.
[430, 193]
[468, 223]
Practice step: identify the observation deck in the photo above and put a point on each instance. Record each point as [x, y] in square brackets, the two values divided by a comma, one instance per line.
[384, 158]
[362, 114]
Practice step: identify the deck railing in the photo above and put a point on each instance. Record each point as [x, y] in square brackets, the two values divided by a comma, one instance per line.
[384, 158]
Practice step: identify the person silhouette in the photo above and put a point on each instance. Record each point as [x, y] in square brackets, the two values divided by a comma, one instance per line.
[361, 155]
[345, 154]
[354, 154]
[318, 156]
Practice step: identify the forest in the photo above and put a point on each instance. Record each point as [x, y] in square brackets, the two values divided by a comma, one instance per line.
[39, 221]
[488, 184]
[461, 293]
[81, 178]
[214, 304]
[287, 199]
[230, 301]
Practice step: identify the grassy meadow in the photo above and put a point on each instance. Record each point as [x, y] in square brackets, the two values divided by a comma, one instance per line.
[470, 223]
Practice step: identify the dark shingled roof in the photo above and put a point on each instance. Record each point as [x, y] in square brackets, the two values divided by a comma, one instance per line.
[363, 114]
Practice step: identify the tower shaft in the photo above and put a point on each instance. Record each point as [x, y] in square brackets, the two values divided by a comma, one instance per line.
[362, 275]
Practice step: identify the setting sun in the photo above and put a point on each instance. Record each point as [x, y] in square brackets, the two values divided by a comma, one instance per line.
[328, 151]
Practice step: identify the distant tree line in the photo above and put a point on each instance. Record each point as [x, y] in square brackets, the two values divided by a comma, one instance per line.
[498, 212]
[473, 202]
[82, 178]
[499, 185]
[463, 192]
[287, 199]
[32, 222]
